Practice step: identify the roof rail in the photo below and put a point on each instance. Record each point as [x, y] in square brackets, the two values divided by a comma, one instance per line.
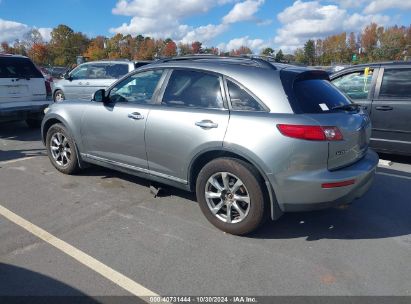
[260, 60]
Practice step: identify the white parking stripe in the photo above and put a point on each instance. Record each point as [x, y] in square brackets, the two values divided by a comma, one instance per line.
[107, 272]
[16, 160]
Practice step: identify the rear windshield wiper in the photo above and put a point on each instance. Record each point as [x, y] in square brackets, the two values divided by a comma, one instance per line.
[347, 107]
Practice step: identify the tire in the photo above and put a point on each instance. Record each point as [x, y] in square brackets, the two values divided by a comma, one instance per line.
[243, 181]
[33, 123]
[58, 96]
[64, 159]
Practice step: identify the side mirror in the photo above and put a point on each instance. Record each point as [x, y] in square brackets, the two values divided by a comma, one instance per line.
[67, 76]
[100, 96]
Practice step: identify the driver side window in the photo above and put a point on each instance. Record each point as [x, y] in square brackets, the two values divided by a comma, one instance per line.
[79, 73]
[356, 85]
[137, 88]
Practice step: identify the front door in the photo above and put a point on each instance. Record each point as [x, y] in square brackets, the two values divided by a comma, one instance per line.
[114, 132]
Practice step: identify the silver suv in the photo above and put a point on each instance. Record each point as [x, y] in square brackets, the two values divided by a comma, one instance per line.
[252, 138]
[89, 77]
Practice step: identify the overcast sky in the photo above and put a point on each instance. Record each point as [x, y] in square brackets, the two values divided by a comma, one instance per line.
[227, 24]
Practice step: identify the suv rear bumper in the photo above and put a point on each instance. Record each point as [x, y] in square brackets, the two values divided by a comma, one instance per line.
[23, 112]
[304, 192]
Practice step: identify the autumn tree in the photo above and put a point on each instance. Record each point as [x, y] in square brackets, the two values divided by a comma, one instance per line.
[197, 47]
[96, 49]
[184, 49]
[170, 48]
[39, 53]
[242, 50]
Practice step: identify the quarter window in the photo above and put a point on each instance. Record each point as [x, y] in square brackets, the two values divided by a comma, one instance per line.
[356, 85]
[193, 89]
[241, 100]
[137, 88]
[396, 83]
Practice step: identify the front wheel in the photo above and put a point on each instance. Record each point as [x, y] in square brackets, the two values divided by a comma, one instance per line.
[230, 196]
[61, 149]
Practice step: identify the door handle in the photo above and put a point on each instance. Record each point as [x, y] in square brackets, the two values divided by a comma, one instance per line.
[87, 83]
[135, 116]
[384, 108]
[206, 124]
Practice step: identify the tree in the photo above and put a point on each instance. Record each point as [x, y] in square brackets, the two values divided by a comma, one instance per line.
[66, 45]
[280, 56]
[39, 53]
[184, 49]
[96, 50]
[197, 47]
[242, 50]
[5, 47]
[267, 52]
[309, 52]
[300, 56]
[170, 48]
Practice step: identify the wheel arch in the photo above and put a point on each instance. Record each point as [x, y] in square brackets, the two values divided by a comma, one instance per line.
[55, 119]
[202, 158]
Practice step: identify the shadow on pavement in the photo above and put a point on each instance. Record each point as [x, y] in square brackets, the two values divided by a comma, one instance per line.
[20, 283]
[18, 131]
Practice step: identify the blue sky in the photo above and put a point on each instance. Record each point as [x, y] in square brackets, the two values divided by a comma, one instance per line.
[227, 24]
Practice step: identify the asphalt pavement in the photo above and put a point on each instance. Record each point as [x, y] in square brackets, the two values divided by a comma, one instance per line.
[166, 245]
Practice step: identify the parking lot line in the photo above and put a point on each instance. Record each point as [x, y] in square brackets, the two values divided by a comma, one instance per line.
[16, 160]
[85, 259]
[393, 175]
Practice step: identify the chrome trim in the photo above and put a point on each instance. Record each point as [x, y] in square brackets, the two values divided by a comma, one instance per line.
[134, 168]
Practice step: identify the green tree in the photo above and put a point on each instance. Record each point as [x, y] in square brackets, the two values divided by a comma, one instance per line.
[279, 57]
[300, 56]
[267, 52]
[309, 52]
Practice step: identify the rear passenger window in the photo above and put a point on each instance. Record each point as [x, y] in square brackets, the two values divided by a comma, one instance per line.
[356, 85]
[14, 67]
[193, 89]
[396, 83]
[318, 96]
[241, 100]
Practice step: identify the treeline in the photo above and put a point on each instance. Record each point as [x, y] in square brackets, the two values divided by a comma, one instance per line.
[374, 43]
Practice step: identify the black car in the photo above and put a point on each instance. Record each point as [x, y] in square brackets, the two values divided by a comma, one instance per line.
[384, 90]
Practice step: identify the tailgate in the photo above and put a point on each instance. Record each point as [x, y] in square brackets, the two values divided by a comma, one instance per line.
[12, 90]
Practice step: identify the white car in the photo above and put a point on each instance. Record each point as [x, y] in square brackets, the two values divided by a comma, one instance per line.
[23, 90]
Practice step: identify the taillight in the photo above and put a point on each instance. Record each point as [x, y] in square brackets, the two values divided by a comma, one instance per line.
[310, 132]
[48, 88]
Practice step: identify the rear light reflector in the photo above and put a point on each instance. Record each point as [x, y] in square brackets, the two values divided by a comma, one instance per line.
[338, 184]
[321, 133]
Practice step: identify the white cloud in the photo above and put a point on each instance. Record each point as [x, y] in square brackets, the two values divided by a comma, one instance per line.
[382, 5]
[243, 11]
[254, 44]
[312, 20]
[11, 31]
[161, 19]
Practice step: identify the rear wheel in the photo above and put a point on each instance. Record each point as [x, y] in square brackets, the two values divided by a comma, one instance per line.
[230, 196]
[61, 149]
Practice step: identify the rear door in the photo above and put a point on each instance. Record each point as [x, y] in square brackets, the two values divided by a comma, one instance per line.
[191, 118]
[20, 81]
[391, 110]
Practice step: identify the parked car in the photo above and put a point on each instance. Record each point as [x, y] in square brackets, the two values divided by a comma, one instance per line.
[252, 138]
[88, 77]
[57, 72]
[384, 91]
[23, 90]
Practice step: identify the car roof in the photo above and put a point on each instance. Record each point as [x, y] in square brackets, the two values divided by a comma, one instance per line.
[12, 55]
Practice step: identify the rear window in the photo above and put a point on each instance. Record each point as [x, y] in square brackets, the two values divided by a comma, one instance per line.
[318, 96]
[12, 67]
